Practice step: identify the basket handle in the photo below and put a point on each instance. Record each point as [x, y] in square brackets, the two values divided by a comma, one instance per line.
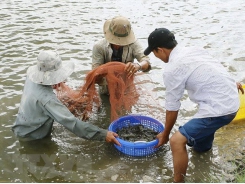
[140, 142]
[135, 114]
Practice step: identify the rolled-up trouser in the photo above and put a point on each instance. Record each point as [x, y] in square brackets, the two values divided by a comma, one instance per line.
[199, 132]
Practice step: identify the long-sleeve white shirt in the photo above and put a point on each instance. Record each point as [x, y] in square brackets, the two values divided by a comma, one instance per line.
[206, 80]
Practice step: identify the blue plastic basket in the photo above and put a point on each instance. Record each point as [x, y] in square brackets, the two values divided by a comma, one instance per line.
[139, 148]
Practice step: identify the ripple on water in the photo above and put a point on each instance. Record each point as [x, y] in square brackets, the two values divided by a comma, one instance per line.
[72, 27]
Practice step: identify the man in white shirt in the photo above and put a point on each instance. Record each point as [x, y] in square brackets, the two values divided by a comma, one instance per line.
[208, 84]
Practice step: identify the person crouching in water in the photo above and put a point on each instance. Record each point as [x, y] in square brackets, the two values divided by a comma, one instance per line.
[40, 107]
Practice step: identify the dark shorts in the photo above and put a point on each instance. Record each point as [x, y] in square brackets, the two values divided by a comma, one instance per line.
[200, 131]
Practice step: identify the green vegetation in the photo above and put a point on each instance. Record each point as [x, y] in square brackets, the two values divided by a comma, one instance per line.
[240, 178]
[240, 171]
[237, 175]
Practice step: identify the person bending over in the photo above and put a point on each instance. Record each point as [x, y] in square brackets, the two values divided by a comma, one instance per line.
[208, 84]
[40, 107]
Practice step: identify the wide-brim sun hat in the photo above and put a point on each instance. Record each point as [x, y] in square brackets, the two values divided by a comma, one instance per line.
[50, 69]
[118, 31]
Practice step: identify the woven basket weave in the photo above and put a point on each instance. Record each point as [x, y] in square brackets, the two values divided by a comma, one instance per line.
[139, 148]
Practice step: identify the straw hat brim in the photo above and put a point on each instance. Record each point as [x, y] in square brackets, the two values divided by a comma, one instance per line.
[122, 41]
[51, 77]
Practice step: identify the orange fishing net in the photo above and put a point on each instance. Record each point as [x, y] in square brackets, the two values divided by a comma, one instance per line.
[82, 101]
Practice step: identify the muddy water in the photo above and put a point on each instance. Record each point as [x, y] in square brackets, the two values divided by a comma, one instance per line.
[72, 27]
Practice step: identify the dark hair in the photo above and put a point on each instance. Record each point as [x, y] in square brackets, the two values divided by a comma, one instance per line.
[171, 44]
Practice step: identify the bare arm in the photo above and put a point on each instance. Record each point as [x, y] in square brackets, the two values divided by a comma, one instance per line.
[163, 137]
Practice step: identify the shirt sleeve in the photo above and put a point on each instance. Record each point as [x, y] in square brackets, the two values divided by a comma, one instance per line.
[59, 112]
[98, 57]
[138, 52]
[174, 81]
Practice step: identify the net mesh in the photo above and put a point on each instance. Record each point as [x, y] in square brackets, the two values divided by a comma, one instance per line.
[83, 100]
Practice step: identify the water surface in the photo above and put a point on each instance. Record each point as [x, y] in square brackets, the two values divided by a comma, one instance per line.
[71, 27]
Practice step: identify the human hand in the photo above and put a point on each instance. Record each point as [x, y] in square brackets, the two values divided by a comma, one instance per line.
[162, 139]
[131, 69]
[239, 87]
[111, 138]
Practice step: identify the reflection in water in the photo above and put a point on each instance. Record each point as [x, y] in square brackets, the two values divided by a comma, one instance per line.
[72, 27]
[201, 164]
